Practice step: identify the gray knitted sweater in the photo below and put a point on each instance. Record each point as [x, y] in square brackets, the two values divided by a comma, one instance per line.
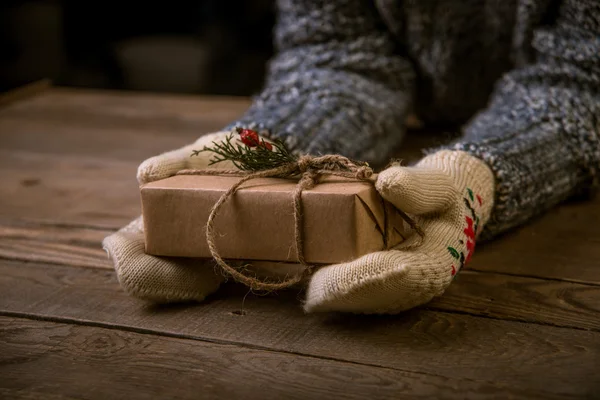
[521, 77]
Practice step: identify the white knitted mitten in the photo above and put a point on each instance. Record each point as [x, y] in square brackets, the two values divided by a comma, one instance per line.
[164, 279]
[167, 164]
[451, 194]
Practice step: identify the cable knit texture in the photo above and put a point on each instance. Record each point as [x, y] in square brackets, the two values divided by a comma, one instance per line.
[521, 76]
[158, 279]
[451, 194]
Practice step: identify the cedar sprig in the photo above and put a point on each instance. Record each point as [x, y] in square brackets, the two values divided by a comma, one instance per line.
[249, 154]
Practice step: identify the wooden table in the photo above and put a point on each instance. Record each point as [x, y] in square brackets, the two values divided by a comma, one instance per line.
[522, 321]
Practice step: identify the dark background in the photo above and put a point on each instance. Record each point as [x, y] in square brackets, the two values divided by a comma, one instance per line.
[204, 46]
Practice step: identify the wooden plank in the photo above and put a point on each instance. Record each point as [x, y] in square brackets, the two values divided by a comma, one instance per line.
[106, 138]
[562, 244]
[524, 299]
[24, 92]
[54, 244]
[68, 189]
[40, 358]
[6, 393]
[494, 295]
[138, 111]
[542, 359]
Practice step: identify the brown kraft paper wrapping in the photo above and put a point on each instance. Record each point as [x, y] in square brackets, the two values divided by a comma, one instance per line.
[343, 219]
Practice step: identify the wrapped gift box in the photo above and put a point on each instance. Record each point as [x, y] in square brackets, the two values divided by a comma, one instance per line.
[343, 219]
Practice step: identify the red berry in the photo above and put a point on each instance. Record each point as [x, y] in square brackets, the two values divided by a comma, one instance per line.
[249, 137]
[266, 145]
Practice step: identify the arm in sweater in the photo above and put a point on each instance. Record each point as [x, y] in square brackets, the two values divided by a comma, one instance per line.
[541, 132]
[335, 84]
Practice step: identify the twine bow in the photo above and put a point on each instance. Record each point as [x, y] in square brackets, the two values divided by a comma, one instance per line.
[309, 169]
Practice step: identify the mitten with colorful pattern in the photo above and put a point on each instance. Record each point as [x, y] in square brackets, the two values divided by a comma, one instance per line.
[450, 194]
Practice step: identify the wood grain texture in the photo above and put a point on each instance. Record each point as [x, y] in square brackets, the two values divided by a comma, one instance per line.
[68, 189]
[543, 359]
[493, 295]
[29, 240]
[562, 244]
[524, 299]
[112, 125]
[70, 361]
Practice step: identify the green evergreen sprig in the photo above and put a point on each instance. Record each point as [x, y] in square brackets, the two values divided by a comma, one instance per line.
[248, 153]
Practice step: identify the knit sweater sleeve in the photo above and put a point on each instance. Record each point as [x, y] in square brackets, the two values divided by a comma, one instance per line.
[541, 132]
[334, 85]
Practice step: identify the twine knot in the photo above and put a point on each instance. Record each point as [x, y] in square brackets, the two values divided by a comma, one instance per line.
[364, 172]
[304, 163]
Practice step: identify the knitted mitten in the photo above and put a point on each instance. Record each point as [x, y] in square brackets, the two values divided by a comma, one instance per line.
[167, 164]
[158, 279]
[164, 279]
[451, 195]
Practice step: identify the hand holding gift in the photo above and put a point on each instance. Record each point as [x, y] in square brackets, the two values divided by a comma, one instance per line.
[383, 281]
[162, 279]
[451, 194]
[165, 279]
